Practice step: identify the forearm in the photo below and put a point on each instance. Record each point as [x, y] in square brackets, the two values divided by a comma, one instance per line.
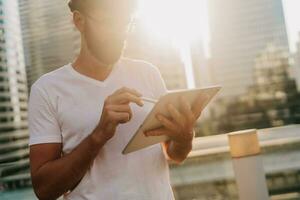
[178, 152]
[59, 176]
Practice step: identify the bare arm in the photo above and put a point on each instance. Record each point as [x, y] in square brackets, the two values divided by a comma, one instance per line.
[53, 174]
[180, 128]
[177, 152]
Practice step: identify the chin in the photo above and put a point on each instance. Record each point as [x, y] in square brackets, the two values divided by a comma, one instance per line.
[107, 53]
[109, 57]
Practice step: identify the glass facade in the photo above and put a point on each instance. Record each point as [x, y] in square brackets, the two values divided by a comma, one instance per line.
[239, 31]
[13, 90]
[50, 38]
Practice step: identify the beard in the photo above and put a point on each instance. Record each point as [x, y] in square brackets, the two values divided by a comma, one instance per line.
[106, 51]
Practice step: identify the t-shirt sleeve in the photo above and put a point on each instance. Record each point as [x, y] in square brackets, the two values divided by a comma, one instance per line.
[159, 85]
[42, 122]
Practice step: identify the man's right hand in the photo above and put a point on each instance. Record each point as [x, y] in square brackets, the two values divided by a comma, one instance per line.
[116, 110]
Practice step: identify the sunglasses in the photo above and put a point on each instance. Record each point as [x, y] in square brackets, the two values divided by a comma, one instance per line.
[113, 23]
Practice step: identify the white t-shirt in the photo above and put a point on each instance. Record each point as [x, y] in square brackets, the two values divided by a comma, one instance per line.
[65, 106]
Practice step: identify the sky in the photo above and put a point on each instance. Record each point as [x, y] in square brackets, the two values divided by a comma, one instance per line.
[179, 24]
[183, 12]
[292, 16]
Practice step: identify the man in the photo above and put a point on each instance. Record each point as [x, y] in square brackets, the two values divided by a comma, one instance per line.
[80, 117]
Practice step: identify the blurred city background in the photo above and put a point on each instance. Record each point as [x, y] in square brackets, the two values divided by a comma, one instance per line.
[251, 48]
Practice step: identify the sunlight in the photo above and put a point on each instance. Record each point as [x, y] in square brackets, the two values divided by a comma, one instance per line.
[182, 21]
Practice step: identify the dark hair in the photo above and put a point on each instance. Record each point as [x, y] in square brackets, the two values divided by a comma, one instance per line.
[80, 5]
[71, 5]
[76, 5]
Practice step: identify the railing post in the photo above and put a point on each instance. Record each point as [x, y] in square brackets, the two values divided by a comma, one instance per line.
[247, 165]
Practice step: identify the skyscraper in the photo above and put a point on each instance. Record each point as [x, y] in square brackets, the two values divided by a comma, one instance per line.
[201, 65]
[296, 67]
[239, 31]
[13, 87]
[50, 38]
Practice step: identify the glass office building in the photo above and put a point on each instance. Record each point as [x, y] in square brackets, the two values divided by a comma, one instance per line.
[240, 30]
[13, 84]
[50, 38]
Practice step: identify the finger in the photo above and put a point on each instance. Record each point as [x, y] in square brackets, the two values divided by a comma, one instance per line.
[198, 105]
[157, 132]
[127, 98]
[129, 90]
[186, 109]
[167, 123]
[120, 108]
[176, 115]
[118, 117]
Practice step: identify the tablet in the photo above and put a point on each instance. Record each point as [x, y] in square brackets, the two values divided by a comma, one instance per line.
[139, 140]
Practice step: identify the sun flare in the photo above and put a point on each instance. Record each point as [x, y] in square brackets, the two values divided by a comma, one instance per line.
[182, 21]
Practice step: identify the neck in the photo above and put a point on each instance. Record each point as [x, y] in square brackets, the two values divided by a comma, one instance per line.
[89, 65]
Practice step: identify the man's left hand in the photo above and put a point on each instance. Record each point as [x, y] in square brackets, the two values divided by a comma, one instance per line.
[179, 127]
